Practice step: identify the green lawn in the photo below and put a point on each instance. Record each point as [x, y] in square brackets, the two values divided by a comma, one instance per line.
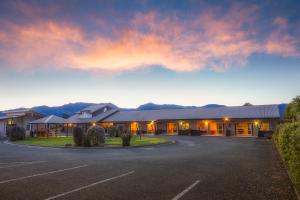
[62, 141]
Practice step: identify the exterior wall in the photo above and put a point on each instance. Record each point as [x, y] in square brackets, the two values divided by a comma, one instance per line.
[2, 129]
[211, 127]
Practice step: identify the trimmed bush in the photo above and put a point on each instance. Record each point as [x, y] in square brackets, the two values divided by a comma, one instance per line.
[78, 136]
[94, 136]
[112, 131]
[126, 137]
[287, 141]
[16, 133]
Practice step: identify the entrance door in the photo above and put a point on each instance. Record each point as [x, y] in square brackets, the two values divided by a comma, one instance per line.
[134, 127]
[151, 128]
[243, 129]
[172, 128]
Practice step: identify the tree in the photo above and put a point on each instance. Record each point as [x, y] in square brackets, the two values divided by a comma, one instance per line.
[78, 136]
[247, 104]
[292, 112]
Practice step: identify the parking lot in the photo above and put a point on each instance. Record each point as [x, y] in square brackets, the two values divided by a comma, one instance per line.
[192, 168]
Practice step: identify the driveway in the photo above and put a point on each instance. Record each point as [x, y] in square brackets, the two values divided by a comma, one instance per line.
[193, 168]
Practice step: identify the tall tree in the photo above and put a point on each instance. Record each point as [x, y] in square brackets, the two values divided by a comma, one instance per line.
[293, 110]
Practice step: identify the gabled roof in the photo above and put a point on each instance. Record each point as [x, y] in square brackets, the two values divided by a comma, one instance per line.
[240, 112]
[52, 119]
[76, 119]
[96, 107]
[11, 116]
[20, 112]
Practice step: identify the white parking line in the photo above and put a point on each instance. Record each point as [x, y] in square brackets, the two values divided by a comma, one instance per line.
[22, 164]
[88, 186]
[42, 174]
[7, 163]
[185, 191]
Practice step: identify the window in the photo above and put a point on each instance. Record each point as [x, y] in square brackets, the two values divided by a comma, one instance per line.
[134, 127]
[27, 127]
[85, 115]
[264, 126]
[203, 125]
[242, 128]
[250, 128]
[185, 126]
[106, 124]
[220, 128]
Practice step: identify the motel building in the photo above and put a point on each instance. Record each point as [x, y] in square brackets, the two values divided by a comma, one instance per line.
[219, 121]
[17, 117]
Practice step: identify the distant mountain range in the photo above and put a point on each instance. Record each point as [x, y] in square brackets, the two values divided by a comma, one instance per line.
[62, 111]
[71, 108]
[152, 106]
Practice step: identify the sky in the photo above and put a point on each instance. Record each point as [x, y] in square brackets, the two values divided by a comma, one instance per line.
[133, 52]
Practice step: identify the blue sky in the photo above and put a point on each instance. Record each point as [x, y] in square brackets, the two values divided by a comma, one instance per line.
[130, 53]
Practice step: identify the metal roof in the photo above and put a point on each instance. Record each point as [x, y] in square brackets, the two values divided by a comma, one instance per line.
[96, 107]
[77, 120]
[234, 112]
[52, 119]
[18, 110]
[11, 116]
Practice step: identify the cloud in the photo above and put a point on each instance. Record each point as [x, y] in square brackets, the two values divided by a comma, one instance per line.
[280, 21]
[211, 40]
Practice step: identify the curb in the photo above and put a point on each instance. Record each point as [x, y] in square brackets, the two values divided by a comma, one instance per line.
[286, 169]
[104, 147]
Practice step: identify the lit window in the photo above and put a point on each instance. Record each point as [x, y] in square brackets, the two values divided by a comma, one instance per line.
[185, 125]
[265, 126]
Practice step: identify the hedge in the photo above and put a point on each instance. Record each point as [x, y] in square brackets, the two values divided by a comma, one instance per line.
[287, 141]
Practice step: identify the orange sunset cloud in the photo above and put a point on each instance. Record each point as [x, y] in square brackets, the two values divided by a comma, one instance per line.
[207, 41]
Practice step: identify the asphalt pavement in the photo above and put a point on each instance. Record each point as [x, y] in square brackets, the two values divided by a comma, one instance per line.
[192, 168]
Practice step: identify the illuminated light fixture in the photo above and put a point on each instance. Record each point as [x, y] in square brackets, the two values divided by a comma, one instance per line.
[206, 123]
[226, 119]
[94, 124]
[180, 123]
[256, 123]
[152, 122]
[70, 124]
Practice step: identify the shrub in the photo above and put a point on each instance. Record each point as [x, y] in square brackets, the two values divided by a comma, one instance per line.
[120, 130]
[78, 136]
[287, 141]
[112, 131]
[94, 136]
[126, 137]
[16, 133]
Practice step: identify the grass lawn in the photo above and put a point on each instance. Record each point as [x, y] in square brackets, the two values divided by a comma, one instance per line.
[62, 141]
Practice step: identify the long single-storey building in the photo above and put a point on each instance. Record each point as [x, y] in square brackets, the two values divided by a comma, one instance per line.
[217, 121]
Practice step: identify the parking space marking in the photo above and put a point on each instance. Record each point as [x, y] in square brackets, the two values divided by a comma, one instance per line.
[90, 185]
[42, 174]
[22, 164]
[8, 163]
[185, 191]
